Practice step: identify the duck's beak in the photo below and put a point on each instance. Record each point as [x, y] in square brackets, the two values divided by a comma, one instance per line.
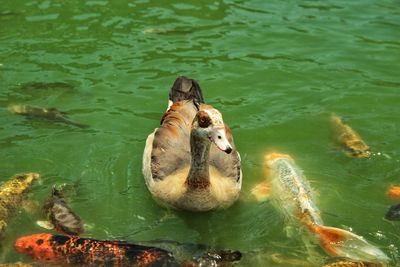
[218, 137]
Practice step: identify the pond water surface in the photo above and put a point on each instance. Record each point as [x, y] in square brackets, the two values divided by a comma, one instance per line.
[275, 69]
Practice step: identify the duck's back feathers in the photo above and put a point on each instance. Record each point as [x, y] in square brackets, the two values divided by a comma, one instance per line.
[171, 143]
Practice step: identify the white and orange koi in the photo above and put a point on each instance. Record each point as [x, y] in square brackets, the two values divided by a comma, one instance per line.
[293, 194]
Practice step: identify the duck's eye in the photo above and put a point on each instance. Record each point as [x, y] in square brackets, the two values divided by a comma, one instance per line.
[219, 137]
[203, 123]
[203, 119]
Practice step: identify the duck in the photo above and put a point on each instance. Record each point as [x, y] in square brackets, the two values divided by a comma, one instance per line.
[190, 162]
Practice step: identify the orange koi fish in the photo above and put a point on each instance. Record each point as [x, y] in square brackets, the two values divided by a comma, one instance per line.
[393, 192]
[294, 197]
[60, 249]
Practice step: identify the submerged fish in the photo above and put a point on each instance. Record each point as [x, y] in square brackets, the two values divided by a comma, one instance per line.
[12, 193]
[190, 254]
[46, 86]
[351, 263]
[278, 259]
[44, 113]
[60, 249]
[350, 139]
[5, 13]
[393, 214]
[166, 31]
[294, 197]
[61, 216]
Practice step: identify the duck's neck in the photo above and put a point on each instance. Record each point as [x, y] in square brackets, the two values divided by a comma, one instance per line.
[199, 176]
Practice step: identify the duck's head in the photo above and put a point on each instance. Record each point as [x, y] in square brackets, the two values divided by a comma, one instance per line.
[208, 125]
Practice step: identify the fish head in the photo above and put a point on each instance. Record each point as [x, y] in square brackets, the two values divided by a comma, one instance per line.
[275, 156]
[393, 214]
[26, 179]
[210, 125]
[271, 157]
[393, 192]
[357, 148]
[36, 245]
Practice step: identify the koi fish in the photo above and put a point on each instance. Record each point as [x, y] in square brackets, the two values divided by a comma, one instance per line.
[12, 193]
[393, 192]
[393, 214]
[190, 254]
[163, 31]
[51, 114]
[74, 250]
[61, 216]
[351, 263]
[15, 264]
[278, 259]
[294, 197]
[350, 139]
[46, 86]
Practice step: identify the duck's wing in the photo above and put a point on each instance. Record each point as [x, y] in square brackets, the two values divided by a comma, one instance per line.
[171, 143]
[227, 164]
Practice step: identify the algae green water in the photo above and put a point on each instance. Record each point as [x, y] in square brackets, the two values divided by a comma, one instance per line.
[275, 69]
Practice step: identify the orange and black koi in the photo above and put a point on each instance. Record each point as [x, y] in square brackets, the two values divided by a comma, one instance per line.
[91, 252]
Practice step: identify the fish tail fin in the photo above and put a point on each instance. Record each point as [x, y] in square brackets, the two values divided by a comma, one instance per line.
[71, 122]
[342, 243]
[185, 89]
[261, 191]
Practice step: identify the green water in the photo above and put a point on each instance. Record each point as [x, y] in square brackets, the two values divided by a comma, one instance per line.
[275, 69]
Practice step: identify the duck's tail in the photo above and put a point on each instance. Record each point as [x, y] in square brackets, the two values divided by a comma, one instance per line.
[185, 89]
[342, 243]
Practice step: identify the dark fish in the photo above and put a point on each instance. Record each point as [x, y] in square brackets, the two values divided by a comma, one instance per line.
[46, 86]
[350, 139]
[393, 214]
[12, 193]
[61, 215]
[5, 13]
[217, 258]
[51, 114]
[162, 31]
[191, 254]
[73, 250]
